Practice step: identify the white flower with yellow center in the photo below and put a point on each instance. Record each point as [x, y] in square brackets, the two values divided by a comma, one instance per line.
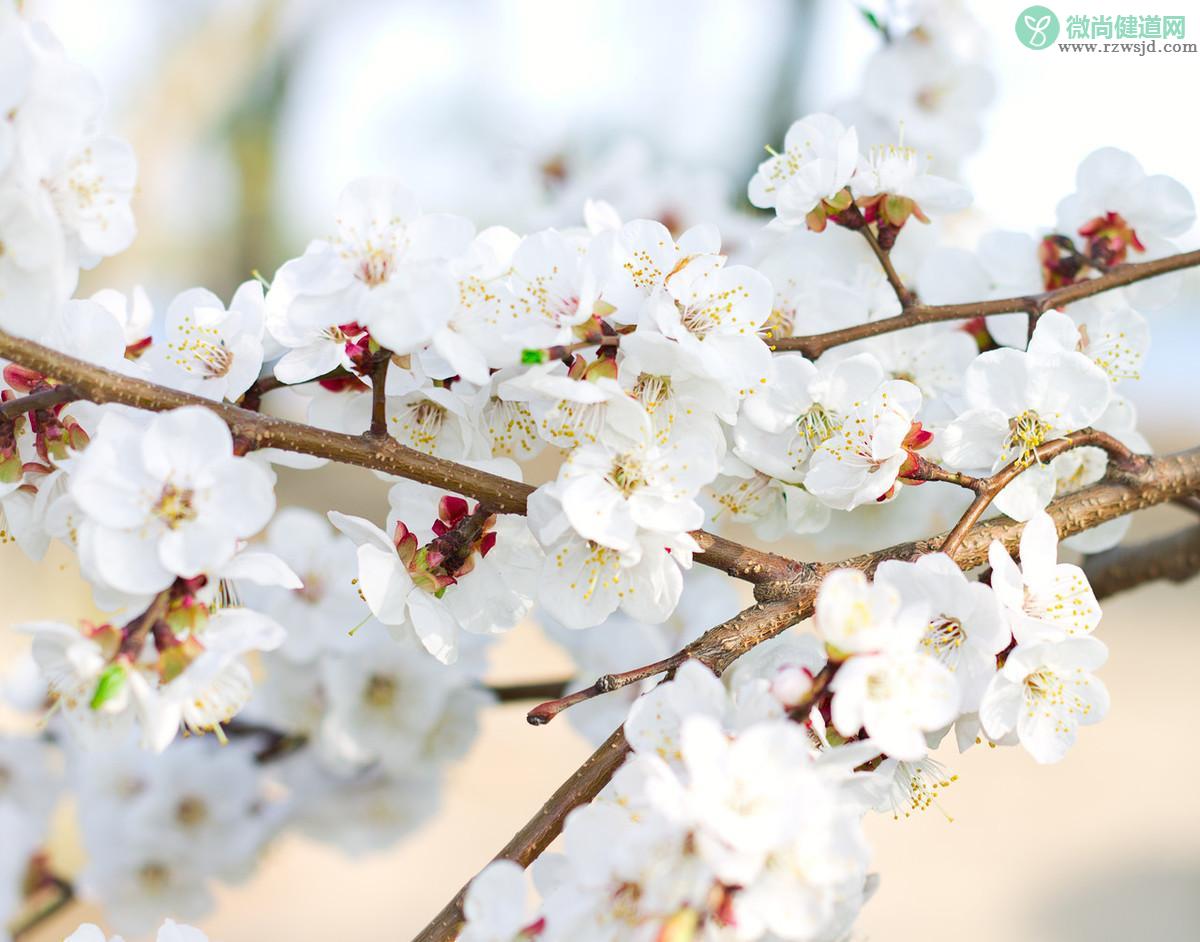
[966, 628]
[1044, 693]
[385, 269]
[615, 523]
[715, 312]
[554, 286]
[208, 350]
[887, 684]
[163, 499]
[644, 256]
[1042, 598]
[861, 463]
[818, 159]
[91, 194]
[804, 406]
[899, 171]
[1017, 401]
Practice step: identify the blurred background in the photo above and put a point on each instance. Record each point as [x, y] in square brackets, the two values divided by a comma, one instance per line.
[248, 117]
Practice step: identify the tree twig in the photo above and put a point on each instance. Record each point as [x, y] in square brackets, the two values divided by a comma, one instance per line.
[383, 359]
[64, 896]
[987, 489]
[543, 713]
[42, 399]
[813, 345]
[1175, 558]
[380, 454]
[903, 294]
[1162, 479]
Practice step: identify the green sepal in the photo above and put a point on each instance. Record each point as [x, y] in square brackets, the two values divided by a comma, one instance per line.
[111, 683]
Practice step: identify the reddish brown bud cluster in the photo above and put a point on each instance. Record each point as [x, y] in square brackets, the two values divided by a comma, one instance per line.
[916, 439]
[1109, 238]
[459, 534]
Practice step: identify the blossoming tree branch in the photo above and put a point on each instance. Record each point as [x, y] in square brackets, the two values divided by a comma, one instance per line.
[849, 363]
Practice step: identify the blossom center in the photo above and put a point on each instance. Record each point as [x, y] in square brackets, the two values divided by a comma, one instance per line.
[175, 506]
[191, 812]
[422, 423]
[313, 589]
[1043, 685]
[879, 686]
[154, 876]
[652, 390]
[627, 474]
[1025, 433]
[917, 787]
[943, 638]
[374, 266]
[817, 425]
[380, 692]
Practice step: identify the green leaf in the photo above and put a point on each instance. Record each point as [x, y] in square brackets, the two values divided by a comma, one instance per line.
[111, 683]
[871, 18]
[533, 357]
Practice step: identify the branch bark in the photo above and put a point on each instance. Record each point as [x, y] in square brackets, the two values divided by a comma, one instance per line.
[365, 451]
[813, 345]
[1175, 558]
[783, 604]
[43, 399]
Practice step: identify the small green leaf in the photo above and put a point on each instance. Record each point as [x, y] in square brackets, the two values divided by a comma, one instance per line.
[533, 357]
[111, 683]
[871, 18]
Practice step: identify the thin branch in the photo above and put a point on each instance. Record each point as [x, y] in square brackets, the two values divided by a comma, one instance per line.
[784, 604]
[64, 896]
[1175, 558]
[1191, 502]
[252, 397]
[812, 699]
[927, 470]
[903, 294]
[813, 345]
[383, 359]
[42, 399]
[989, 488]
[139, 629]
[543, 713]
[97, 384]
[543, 828]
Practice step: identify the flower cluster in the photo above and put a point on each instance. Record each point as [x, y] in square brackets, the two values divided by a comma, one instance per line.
[738, 815]
[655, 386]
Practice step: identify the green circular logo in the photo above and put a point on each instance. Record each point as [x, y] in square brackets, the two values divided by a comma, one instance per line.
[1037, 27]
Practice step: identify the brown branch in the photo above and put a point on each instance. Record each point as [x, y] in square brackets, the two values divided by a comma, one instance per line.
[586, 782]
[783, 604]
[1191, 502]
[543, 713]
[1175, 558]
[42, 399]
[987, 489]
[543, 828]
[383, 359]
[813, 345]
[97, 384]
[63, 897]
[903, 294]
[139, 629]
[820, 686]
[252, 397]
